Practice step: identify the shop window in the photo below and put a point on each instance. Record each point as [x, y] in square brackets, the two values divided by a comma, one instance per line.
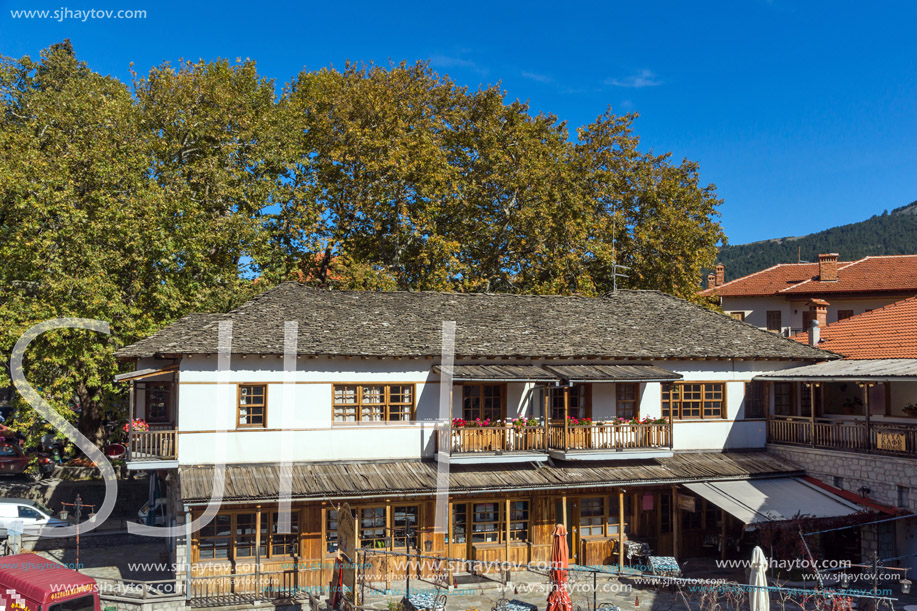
[214, 538]
[485, 527]
[519, 521]
[404, 526]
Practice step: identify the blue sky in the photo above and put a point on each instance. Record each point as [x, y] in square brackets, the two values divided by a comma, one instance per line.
[802, 113]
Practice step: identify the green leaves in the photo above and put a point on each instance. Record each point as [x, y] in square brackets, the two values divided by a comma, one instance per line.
[199, 185]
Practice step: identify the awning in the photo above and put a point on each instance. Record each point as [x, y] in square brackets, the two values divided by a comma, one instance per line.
[144, 373]
[612, 373]
[499, 373]
[568, 374]
[773, 500]
[867, 370]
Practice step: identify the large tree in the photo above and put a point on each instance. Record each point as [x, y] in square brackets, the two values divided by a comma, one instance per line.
[419, 184]
[104, 215]
[197, 185]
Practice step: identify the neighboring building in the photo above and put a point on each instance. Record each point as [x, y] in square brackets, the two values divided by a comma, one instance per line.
[785, 297]
[359, 417]
[862, 434]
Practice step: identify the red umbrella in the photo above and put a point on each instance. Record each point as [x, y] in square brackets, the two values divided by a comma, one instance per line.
[559, 598]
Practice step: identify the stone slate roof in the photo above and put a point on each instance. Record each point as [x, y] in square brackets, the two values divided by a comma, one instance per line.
[621, 325]
[327, 480]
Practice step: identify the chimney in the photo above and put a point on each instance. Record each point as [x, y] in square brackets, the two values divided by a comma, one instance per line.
[721, 274]
[827, 267]
[711, 280]
[814, 333]
[819, 307]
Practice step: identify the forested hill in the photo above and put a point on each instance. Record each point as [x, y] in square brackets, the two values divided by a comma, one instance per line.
[891, 233]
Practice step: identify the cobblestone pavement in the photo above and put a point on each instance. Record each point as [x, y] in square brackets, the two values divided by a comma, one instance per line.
[114, 561]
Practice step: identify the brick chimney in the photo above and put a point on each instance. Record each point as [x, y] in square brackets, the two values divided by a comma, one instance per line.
[721, 274]
[819, 307]
[711, 280]
[827, 267]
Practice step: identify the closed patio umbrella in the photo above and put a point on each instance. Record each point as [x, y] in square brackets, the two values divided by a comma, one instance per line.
[559, 598]
[758, 599]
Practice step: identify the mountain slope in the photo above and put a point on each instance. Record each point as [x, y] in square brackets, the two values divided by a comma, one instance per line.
[891, 233]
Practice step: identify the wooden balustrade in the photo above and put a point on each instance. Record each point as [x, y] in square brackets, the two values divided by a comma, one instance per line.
[497, 439]
[611, 436]
[845, 435]
[154, 444]
[598, 436]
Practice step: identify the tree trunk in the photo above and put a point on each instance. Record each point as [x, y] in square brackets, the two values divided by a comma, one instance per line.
[90, 420]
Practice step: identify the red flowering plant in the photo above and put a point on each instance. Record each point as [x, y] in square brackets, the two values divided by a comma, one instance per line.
[574, 421]
[477, 422]
[136, 424]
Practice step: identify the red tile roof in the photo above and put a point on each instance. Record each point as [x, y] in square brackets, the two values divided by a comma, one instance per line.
[885, 274]
[883, 333]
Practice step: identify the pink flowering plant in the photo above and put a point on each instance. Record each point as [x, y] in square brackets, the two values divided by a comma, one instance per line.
[136, 424]
[644, 420]
[574, 421]
[524, 422]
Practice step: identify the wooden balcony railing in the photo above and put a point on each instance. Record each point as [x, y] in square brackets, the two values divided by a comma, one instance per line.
[494, 439]
[610, 436]
[152, 445]
[844, 435]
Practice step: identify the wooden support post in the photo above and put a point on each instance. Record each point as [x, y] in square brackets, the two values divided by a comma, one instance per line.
[812, 415]
[722, 534]
[506, 530]
[563, 511]
[868, 439]
[676, 515]
[566, 420]
[258, 548]
[620, 527]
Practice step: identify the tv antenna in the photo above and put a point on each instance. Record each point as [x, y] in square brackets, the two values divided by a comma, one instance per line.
[614, 254]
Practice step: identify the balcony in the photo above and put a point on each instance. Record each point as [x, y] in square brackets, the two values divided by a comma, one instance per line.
[153, 449]
[495, 444]
[598, 441]
[872, 437]
[605, 440]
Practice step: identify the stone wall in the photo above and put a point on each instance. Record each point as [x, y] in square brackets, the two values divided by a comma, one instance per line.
[880, 474]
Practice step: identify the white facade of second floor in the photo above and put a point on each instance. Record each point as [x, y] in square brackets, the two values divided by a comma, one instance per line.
[255, 413]
[787, 316]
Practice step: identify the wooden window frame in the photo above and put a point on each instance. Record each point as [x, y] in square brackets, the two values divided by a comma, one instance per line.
[236, 536]
[170, 396]
[290, 540]
[619, 386]
[791, 395]
[385, 406]
[385, 527]
[500, 523]
[200, 538]
[394, 530]
[767, 320]
[765, 398]
[263, 406]
[481, 386]
[737, 315]
[465, 540]
[668, 387]
[519, 535]
[557, 393]
[844, 315]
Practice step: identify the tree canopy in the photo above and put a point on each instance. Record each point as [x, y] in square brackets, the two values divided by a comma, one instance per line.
[195, 186]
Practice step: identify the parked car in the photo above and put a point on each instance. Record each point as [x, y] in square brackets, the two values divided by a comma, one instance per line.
[32, 514]
[13, 460]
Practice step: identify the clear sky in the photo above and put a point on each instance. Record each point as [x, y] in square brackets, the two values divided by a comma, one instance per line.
[802, 113]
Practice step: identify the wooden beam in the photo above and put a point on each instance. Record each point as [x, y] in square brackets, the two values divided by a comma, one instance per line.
[620, 527]
[722, 534]
[676, 514]
[506, 529]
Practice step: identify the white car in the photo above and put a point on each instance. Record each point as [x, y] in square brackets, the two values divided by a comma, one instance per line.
[32, 514]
